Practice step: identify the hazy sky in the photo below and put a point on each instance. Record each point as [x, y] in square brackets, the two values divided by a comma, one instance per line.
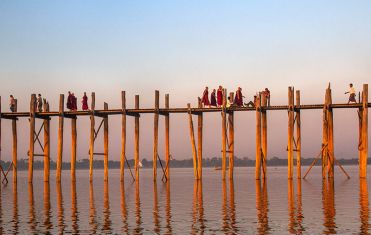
[178, 47]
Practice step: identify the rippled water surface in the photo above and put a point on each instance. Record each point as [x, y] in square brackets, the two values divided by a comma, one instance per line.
[184, 206]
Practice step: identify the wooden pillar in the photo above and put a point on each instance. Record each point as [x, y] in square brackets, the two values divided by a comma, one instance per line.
[32, 131]
[136, 140]
[325, 137]
[258, 151]
[298, 136]
[155, 134]
[364, 134]
[15, 144]
[224, 134]
[167, 137]
[264, 132]
[231, 140]
[193, 143]
[92, 136]
[199, 141]
[290, 136]
[123, 135]
[330, 134]
[73, 148]
[60, 137]
[0, 132]
[46, 144]
[105, 126]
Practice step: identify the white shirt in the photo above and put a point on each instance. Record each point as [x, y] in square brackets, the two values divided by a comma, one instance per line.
[352, 90]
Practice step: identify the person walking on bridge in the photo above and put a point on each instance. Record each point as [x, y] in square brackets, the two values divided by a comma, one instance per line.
[205, 97]
[220, 96]
[213, 99]
[352, 94]
[12, 103]
[238, 99]
[85, 102]
[39, 103]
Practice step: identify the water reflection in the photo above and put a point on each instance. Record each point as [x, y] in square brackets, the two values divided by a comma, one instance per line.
[60, 208]
[32, 217]
[364, 206]
[198, 221]
[1, 211]
[74, 212]
[328, 201]
[138, 213]
[106, 211]
[92, 211]
[229, 210]
[124, 212]
[262, 207]
[295, 212]
[15, 220]
[47, 212]
[156, 221]
[168, 209]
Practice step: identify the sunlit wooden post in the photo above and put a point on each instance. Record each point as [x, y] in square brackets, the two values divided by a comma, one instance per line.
[298, 136]
[15, 144]
[167, 137]
[264, 132]
[258, 151]
[73, 147]
[105, 126]
[136, 140]
[155, 134]
[363, 148]
[231, 139]
[32, 131]
[330, 135]
[123, 135]
[0, 131]
[199, 140]
[60, 137]
[46, 144]
[325, 137]
[92, 136]
[224, 134]
[290, 136]
[193, 143]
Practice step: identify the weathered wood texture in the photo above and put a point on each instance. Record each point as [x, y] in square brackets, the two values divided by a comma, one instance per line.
[60, 138]
[105, 140]
[298, 137]
[32, 143]
[193, 142]
[290, 136]
[92, 136]
[155, 135]
[136, 140]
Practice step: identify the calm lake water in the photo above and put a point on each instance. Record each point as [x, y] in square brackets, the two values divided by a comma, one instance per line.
[183, 206]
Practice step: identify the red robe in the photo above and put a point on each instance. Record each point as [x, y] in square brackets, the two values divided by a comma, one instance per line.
[205, 98]
[238, 98]
[85, 103]
[220, 97]
[213, 99]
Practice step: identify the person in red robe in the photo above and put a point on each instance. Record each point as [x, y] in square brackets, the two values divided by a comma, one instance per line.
[205, 97]
[213, 98]
[74, 102]
[238, 99]
[220, 96]
[69, 101]
[85, 102]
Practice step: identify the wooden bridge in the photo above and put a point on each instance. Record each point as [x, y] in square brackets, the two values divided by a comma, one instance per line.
[227, 120]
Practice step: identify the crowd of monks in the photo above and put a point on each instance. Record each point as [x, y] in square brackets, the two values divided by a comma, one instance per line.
[216, 98]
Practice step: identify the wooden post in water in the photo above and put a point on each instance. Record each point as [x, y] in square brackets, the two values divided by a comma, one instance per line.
[155, 134]
[264, 132]
[325, 136]
[46, 144]
[136, 140]
[224, 134]
[193, 143]
[258, 151]
[105, 126]
[330, 135]
[92, 136]
[298, 136]
[199, 141]
[290, 136]
[15, 145]
[60, 137]
[123, 136]
[167, 137]
[73, 148]
[0, 132]
[32, 131]
[231, 139]
[364, 134]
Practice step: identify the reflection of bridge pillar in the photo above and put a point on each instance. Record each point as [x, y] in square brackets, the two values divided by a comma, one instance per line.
[328, 200]
[364, 206]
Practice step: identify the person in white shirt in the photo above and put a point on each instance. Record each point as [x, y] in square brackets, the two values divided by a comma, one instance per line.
[352, 94]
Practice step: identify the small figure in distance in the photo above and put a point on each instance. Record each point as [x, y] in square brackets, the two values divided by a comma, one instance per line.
[229, 101]
[267, 95]
[205, 97]
[252, 103]
[85, 102]
[220, 96]
[74, 102]
[238, 99]
[39, 103]
[213, 99]
[69, 101]
[12, 103]
[352, 94]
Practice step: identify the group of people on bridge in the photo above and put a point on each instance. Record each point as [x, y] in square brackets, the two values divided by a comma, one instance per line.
[72, 102]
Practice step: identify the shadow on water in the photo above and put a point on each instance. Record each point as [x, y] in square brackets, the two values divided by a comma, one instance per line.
[328, 206]
[262, 207]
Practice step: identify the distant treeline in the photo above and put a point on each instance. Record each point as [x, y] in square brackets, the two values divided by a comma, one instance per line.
[207, 162]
